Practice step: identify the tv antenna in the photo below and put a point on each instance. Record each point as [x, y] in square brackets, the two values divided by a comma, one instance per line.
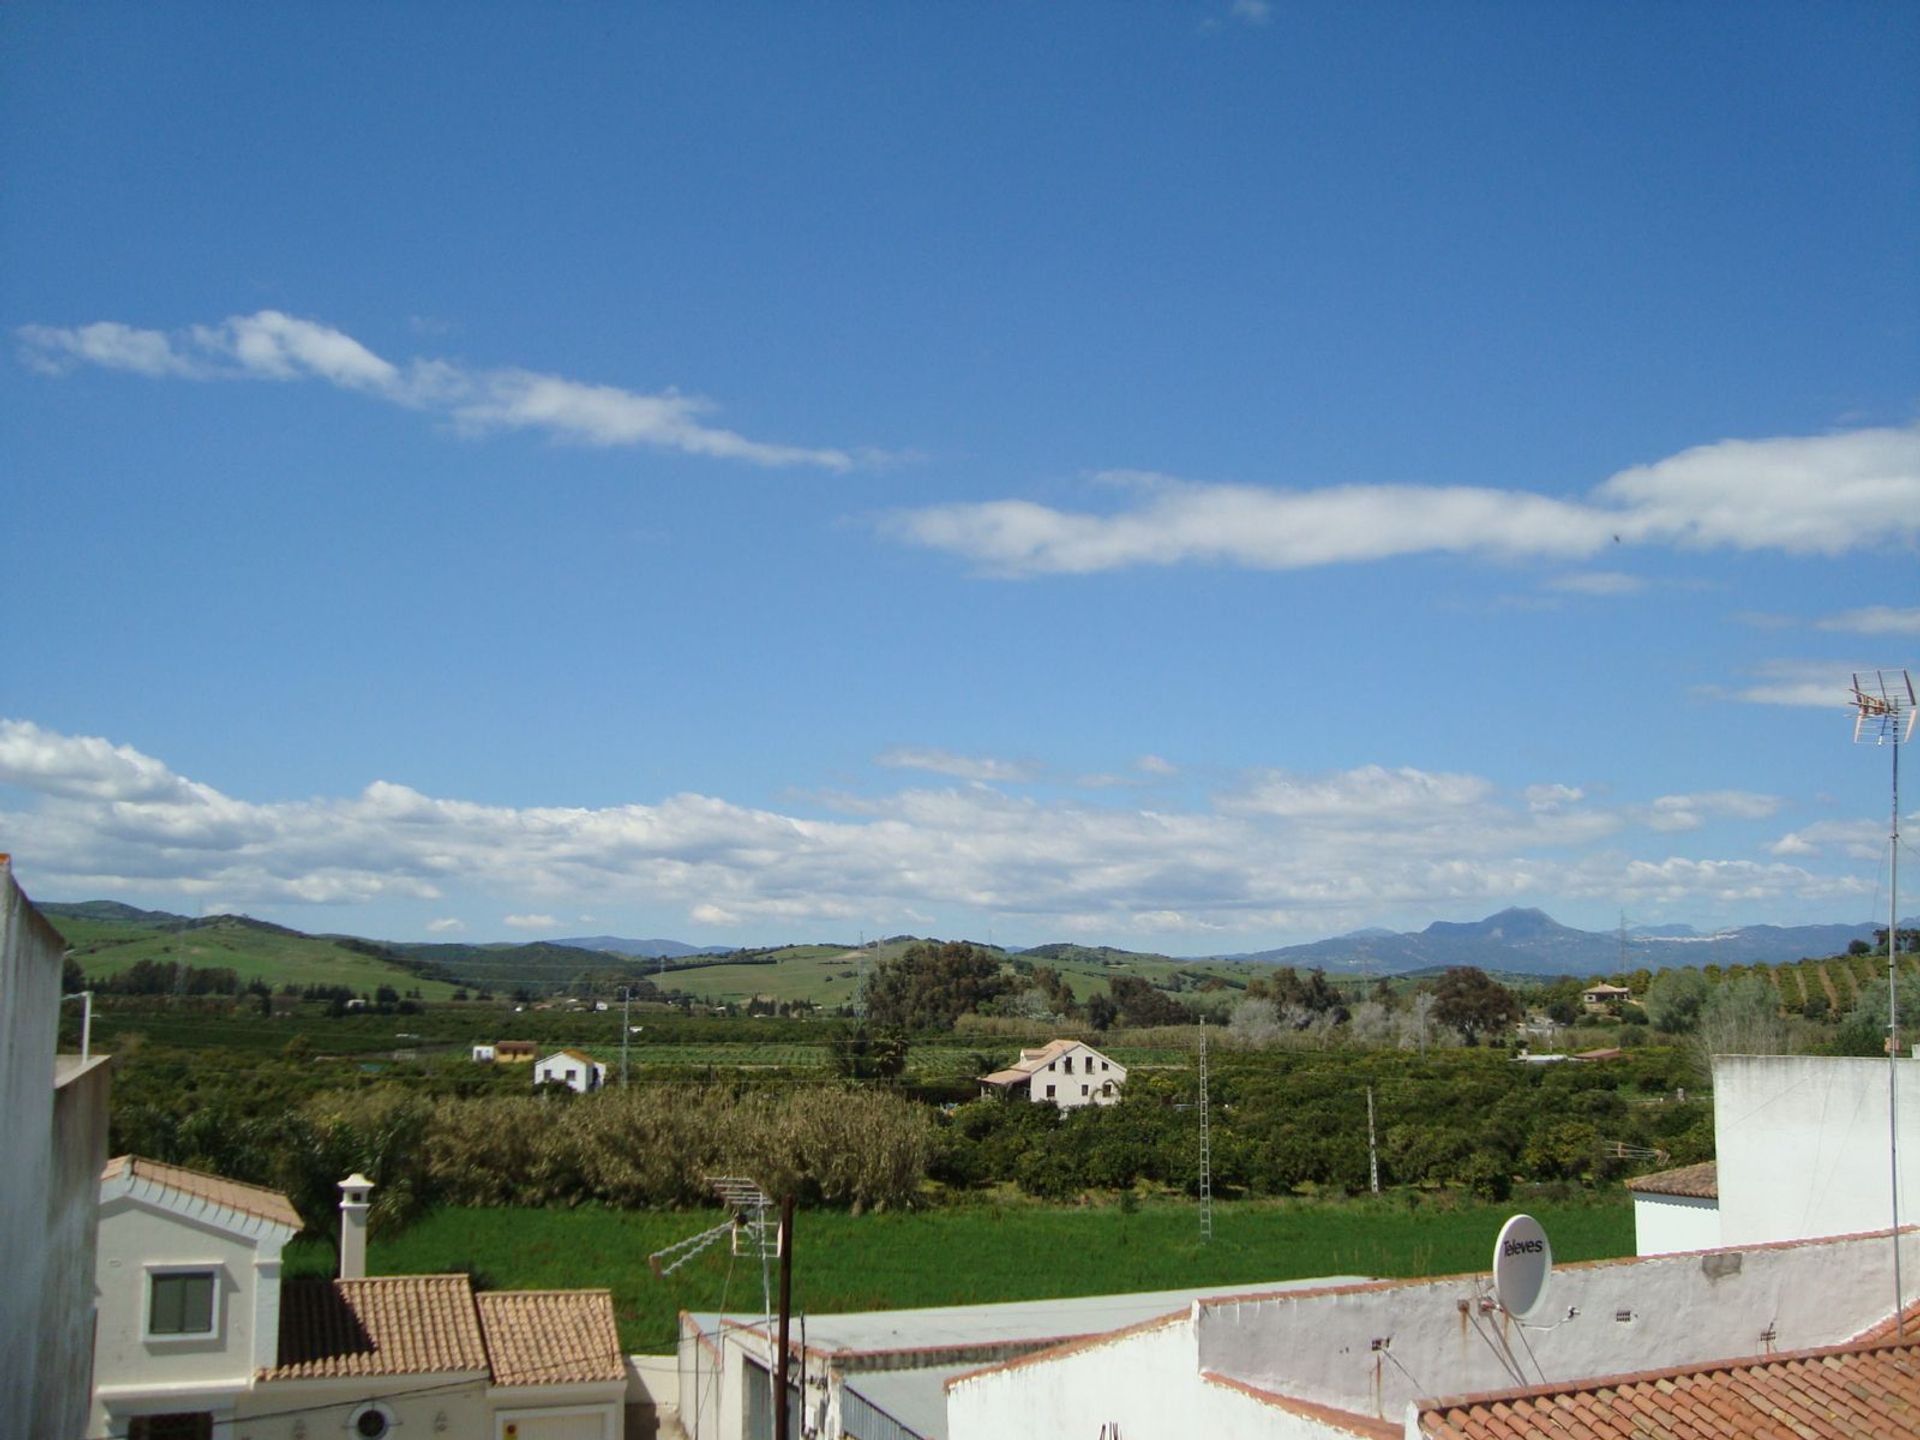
[1883, 714]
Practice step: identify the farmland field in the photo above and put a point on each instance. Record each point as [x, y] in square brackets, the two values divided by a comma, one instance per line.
[972, 1253]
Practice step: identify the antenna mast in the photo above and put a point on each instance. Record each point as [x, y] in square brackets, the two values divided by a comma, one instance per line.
[1883, 714]
[1206, 1146]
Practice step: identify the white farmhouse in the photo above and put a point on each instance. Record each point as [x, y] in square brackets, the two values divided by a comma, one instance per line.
[1067, 1073]
[200, 1339]
[580, 1073]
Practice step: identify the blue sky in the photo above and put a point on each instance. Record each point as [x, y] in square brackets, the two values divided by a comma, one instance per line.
[1191, 477]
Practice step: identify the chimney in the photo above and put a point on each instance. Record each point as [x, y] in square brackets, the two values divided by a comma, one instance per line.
[353, 1226]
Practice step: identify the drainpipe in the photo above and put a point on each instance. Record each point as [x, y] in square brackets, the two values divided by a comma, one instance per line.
[353, 1226]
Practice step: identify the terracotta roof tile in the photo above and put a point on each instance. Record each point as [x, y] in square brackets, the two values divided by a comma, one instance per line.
[1843, 1393]
[254, 1200]
[390, 1325]
[550, 1337]
[1697, 1182]
[1887, 1330]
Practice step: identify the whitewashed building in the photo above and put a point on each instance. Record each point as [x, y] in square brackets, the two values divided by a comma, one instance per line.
[1067, 1073]
[580, 1073]
[200, 1338]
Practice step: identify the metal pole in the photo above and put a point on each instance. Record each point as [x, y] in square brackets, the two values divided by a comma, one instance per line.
[786, 1313]
[626, 1031]
[1893, 1041]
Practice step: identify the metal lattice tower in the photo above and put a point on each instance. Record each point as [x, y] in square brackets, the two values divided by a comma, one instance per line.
[1206, 1146]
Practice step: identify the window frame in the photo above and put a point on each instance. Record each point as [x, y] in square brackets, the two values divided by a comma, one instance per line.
[216, 1317]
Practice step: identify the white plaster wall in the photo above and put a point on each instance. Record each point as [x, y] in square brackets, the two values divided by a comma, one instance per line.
[1802, 1145]
[1067, 1094]
[1321, 1346]
[1665, 1224]
[270, 1411]
[699, 1377]
[1148, 1384]
[29, 1016]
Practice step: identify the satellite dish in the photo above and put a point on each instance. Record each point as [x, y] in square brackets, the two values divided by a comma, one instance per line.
[1522, 1261]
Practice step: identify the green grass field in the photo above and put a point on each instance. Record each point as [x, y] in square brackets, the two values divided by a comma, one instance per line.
[972, 1254]
[107, 948]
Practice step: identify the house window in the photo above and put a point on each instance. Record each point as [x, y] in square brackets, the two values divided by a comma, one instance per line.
[370, 1422]
[1069, 1064]
[1105, 1066]
[189, 1425]
[180, 1302]
[1049, 1092]
[1083, 1090]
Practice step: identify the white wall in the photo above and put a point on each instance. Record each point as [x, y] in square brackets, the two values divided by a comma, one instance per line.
[55, 1144]
[1369, 1350]
[453, 1405]
[1066, 1085]
[1665, 1224]
[134, 1237]
[1146, 1382]
[1802, 1145]
[1321, 1346]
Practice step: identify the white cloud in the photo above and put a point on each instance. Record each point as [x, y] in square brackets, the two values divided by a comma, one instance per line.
[1858, 840]
[1154, 765]
[106, 343]
[1823, 494]
[1598, 583]
[961, 767]
[271, 345]
[1308, 852]
[281, 347]
[1816, 684]
[1690, 812]
[1875, 620]
[1550, 799]
[446, 925]
[1253, 12]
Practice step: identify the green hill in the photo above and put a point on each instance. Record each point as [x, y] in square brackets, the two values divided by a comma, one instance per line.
[252, 949]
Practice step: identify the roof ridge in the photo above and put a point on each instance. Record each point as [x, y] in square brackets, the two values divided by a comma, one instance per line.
[1721, 1365]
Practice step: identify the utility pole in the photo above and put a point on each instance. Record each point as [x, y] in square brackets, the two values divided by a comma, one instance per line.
[626, 1030]
[1373, 1150]
[780, 1404]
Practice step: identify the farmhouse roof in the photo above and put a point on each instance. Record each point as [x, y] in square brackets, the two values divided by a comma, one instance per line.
[388, 1325]
[1693, 1182]
[255, 1200]
[1033, 1061]
[1838, 1393]
[1605, 989]
[572, 1055]
[550, 1337]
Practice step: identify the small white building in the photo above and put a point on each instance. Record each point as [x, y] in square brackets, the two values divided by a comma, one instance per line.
[1067, 1073]
[1675, 1210]
[580, 1073]
[200, 1339]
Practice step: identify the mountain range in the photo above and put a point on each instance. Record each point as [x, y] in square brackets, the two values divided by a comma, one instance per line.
[1533, 942]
